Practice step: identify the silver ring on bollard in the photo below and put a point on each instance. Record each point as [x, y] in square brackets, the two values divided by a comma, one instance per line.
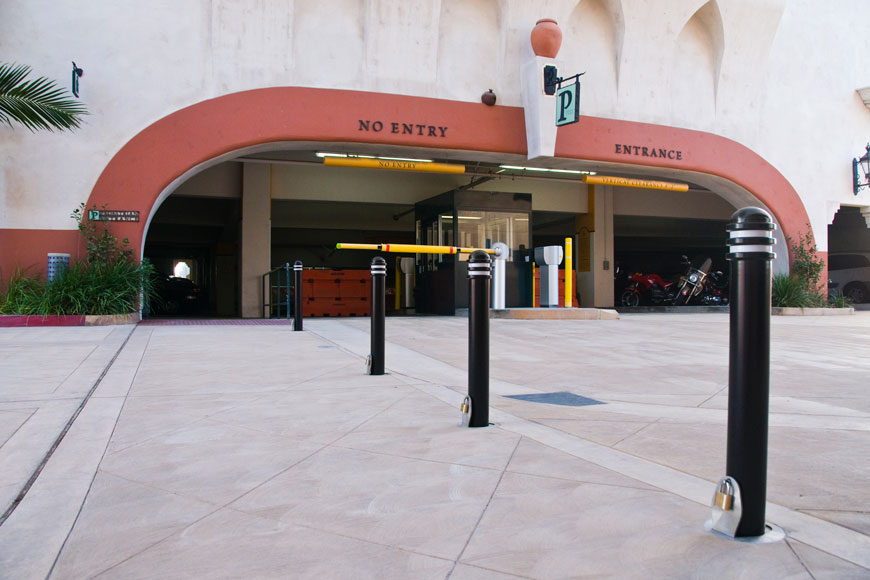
[479, 264]
[751, 234]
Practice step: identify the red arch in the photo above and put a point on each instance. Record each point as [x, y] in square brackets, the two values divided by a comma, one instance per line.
[164, 151]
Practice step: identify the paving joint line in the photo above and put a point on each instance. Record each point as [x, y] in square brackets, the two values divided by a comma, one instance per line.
[485, 508]
[114, 427]
[788, 542]
[217, 507]
[78, 366]
[33, 477]
[834, 539]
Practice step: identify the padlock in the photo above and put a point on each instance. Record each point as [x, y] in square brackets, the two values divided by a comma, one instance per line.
[727, 507]
[465, 407]
[724, 495]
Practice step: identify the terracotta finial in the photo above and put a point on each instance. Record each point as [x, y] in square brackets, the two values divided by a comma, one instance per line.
[546, 38]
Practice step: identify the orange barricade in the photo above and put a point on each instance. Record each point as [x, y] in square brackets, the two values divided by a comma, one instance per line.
[575, 304]
[336, 293]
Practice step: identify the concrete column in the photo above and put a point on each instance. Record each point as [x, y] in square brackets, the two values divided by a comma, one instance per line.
[596, 282]
[256, 236]
[539, 108]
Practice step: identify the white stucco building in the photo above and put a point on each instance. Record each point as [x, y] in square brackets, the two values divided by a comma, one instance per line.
[206, 117]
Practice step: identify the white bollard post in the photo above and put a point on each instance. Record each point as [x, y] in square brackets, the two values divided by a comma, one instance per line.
[498, 276]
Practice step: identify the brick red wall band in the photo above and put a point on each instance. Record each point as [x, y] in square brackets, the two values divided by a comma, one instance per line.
[161, 153]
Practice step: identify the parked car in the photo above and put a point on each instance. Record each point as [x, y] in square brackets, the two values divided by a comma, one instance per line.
[849, 272]
[176, 296]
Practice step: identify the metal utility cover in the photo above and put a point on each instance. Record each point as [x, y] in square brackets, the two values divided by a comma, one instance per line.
[563, 398]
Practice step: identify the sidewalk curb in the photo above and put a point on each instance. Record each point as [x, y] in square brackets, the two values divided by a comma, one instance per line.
[27, 320]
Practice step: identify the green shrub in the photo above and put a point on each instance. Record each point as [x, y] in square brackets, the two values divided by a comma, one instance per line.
[83, 289]
[803, 288]
[22, 294]
[806, 265]
[839, 301]
[109, 281]
[789, 292]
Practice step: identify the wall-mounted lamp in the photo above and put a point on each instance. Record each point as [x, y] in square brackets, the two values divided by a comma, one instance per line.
[864, 164]
[77, 73]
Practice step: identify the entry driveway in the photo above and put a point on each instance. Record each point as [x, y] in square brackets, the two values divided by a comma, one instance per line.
[252, 451]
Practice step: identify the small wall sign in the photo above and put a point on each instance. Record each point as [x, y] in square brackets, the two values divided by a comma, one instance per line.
[402, 165]
[629, 182]
[113, 215]
[650, 151]
[402, 128]
[568, 104]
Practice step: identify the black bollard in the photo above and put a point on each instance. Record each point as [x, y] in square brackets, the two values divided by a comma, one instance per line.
[297, 303]
[379, 311]
[479, 275]
[750, 253]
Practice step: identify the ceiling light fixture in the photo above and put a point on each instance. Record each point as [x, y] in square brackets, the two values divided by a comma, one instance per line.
[546, 169]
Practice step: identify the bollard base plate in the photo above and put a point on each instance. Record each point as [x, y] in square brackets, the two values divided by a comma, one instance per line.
[772, 533]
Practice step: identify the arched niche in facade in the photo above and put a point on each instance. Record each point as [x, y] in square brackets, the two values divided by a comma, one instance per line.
[696, 64]
[596, 27]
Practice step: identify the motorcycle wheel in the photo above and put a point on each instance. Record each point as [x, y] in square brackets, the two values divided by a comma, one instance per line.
[679, 299]
[630, 298]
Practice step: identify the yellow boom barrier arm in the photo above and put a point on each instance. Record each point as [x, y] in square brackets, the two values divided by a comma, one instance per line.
[411, 248]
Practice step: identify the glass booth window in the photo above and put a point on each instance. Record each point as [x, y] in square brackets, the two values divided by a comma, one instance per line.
[445, 223]
[481, 229]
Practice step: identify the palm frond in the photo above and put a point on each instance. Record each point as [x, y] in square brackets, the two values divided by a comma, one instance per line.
[36, 104]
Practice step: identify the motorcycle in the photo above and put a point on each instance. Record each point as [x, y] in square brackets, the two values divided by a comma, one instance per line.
[647, 289]
[715, 292]
[695, 286]
[691, 284]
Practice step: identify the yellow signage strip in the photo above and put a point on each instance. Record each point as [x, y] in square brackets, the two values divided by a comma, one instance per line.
[368, 163]
[628, 182]
[411, 248]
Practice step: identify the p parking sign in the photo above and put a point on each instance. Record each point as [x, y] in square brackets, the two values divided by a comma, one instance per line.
[111, 215]
[568, 104]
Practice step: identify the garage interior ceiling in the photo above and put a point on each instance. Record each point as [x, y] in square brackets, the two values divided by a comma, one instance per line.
[478, 164]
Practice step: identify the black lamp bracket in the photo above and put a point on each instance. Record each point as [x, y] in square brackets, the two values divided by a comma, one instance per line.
[552, 80]
[77, 73]
[864, 164]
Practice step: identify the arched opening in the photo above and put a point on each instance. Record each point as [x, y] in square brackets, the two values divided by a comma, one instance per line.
[280, 129]
[848, 258]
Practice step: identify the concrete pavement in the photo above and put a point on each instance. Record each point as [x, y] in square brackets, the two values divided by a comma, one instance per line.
[252, 451]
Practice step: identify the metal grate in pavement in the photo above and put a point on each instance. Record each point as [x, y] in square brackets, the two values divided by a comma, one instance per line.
[563, 398]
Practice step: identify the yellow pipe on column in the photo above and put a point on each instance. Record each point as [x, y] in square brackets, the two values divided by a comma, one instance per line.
[398, 301]
[533, 284]
[569, 267]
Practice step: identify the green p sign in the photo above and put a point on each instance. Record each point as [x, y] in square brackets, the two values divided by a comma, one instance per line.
[568, 104]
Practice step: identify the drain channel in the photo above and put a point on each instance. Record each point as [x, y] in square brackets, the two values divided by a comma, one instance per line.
[20, 497]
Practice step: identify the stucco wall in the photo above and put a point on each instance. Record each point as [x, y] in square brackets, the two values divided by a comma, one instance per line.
[778, 77]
